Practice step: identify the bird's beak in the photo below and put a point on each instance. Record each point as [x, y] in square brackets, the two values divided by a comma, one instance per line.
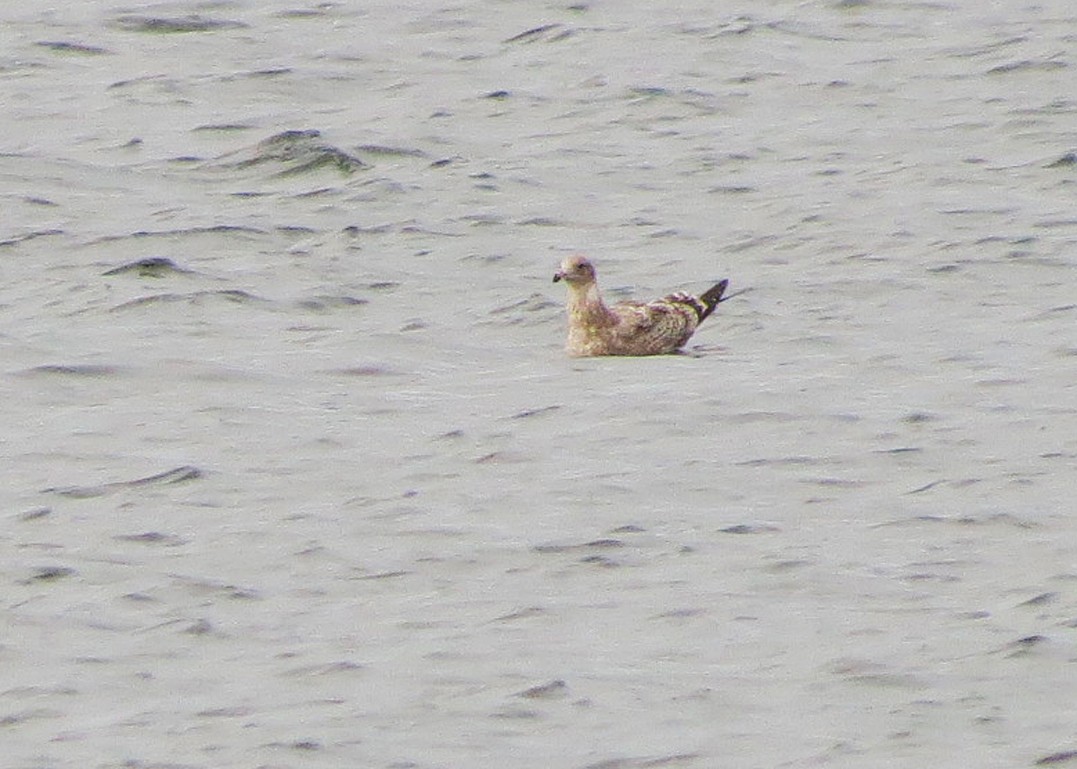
[557, 276]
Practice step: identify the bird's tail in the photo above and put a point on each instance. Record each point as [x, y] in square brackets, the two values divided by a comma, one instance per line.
[711, 297]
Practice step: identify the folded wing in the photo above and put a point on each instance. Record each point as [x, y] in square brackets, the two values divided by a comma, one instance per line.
[657, 327]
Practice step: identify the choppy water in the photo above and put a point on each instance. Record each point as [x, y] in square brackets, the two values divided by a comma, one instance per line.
[297, 475]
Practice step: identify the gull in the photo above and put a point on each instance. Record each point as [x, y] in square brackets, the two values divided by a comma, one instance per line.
[628, 328]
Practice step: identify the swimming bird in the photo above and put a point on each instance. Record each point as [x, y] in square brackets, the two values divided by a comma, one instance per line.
[628, 328]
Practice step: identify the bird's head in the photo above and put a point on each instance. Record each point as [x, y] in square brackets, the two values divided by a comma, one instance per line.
[575, 270]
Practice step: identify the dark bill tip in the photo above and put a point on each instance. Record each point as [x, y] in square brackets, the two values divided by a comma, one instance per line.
[557, 277]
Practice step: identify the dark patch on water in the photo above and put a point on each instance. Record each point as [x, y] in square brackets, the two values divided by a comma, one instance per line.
[270, 72]
[326, 668]
[169, 477]
[61, 46]
[223, 127]
[731, 189]
[381, 149]
[534, 412]
[518, 714]
[326, 302]
[1066, 161]
[304, 745]
[159, 25]
[1027, 65]
[533, 303]
[293, 152]
[1051, 224]
[1003, 519]
[296, 230]
[307, 194]
[543, 221]
[35, 514]
[751, 417]
[647, 762]
[1022, 647]
[201, 587]
[781, 461]
[150, 267]
[681, 614]
[88, 370]
[749, 528]
[219, 229]
[233, 296]
[384, 575]
[366, 371]
[199, 627]
[355, 230]
[321, 10]
[152, 538]
[29, 236]
[556, 689]
[49, 574]
[648, 91]
[527, 613]
[546, 33]
[599, 544]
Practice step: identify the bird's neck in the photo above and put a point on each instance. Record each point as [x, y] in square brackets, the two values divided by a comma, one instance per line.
[585, 306]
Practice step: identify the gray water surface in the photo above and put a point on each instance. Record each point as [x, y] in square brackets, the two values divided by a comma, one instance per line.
[296, 473]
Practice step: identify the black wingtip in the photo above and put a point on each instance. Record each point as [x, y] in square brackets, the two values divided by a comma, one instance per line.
[711, 297]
